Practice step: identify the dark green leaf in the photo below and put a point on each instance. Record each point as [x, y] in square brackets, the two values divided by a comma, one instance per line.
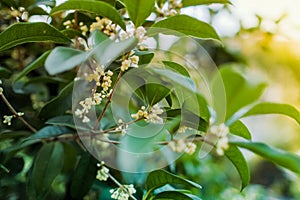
[186, 3]
[240, 129]
[145, 57]
[139, 10]
[176, 67]
[186, 25]
[46, 167]
[63, 59]
[4, 73]
[65, 120]
[97, 7]
[13, 134]
[240, 163]
[84, 176]
[58, 105]
[20, 33]
[49, 132]
[71, 33]
[189, 119]
[274, 108]
[155, 93]
[34, 65]
[278, 156]
[96, 38]
[160, 178]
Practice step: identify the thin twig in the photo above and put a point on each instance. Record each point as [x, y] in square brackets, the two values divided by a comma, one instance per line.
[121, 186]
[11, 108]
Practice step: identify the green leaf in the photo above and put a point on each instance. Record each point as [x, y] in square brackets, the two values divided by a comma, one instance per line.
[186, 25]
[97, 7]
[167, 195]
[240, 129]
[49, 132]
[160, 178]
[96, 38]
[139, 10]
[59, 104]
[278, 156]
[194, 121]
[239, 90]
[186, 3]
[46, 167]
[176, 67]
[84, 176]
[274, 108]
[4, 73]
[63, 59]
[145, 57]
[34, 65]
[20, 33]
[65, 120]
[240, 163]
[155, 93]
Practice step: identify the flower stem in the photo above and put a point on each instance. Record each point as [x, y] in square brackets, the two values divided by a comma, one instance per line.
[120, 185]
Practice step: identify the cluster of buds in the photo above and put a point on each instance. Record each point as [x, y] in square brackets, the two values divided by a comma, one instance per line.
[105, 25]
[123, 193]
[103, 172]
[170, 9]
[221, 131]
[150, 115]
[20, 14]
[103, 80]
[122, 127]
[1, 89]
[131, 31]
[72, 24]
[180, 146]
[131, 61]
[8, 118]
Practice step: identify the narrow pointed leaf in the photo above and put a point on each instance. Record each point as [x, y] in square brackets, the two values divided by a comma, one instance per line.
[278, 156]
[240, 163]
[274, 108]
[97, 7]
[186, 3]
[240, 129]
[188, 26]
[20, 33]
[139, 10]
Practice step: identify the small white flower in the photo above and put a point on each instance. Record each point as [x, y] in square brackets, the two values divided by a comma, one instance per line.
[221, 131]
[7, 119]
[1, 90]
[86, 119]
[103, 173]
[190, 148]
[20, 114]
[120, 194]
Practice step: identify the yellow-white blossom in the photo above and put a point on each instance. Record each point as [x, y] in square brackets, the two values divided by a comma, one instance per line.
[120, 194]
[180, 146]
[7, 119]
[103, 173]
[221, 131]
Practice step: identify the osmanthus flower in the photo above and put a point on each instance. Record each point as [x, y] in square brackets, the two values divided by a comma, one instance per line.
[150, 115]
[131, 61]
[8, 118]
[171, 8]
[102, 173]
[221, 131]
[180, 146]
[122, 127]
[105, 25]
[122, 193]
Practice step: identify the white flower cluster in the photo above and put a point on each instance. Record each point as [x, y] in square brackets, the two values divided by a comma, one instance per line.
[103, 80]
[221, 131]
[131, 31]
[132, 61]
[172, 8]
[8, 118]
[180, 146]
[103, 172]
[105, 25]
[120, 194]
[72, 24]
[152, 115]
[1, 89]
[122, 127]
[20, 14]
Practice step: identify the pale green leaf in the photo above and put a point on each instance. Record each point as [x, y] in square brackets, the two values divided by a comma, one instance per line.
[186, 3]
[49, 132]
[186, 25]
[63, 59]
[274, 108]
[20, 33]
[240, 129]
[64, 120]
